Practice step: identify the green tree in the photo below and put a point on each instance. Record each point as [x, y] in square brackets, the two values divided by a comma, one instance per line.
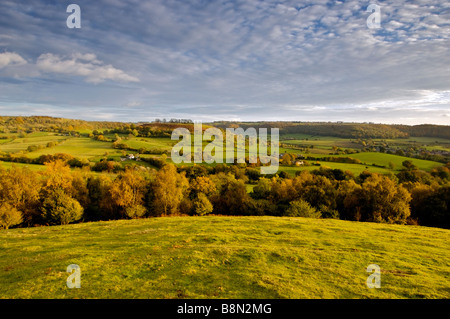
[435, 208]
[232, 197]
[409, 165]
[60, 208]
[262, 189]
[135, 211]
[202, 205]
[100, 204]
[301, 208]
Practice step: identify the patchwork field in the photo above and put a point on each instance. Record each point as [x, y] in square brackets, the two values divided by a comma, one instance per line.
[21, 144]
[94, 150]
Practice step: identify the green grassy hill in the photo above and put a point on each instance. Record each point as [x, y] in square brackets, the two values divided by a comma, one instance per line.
[225, 257]
[384, 159]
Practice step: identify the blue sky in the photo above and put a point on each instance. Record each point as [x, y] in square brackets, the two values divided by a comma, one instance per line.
[243, 60]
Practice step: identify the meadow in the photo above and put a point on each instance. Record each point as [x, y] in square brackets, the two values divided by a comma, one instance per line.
[81, 147]
[355, 169]
[383, 159]
[225, 257]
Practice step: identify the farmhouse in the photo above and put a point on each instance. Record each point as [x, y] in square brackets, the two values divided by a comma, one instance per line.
[130, 157]
[299, 163]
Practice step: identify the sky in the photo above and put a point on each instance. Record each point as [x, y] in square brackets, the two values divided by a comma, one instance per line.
[240, 60]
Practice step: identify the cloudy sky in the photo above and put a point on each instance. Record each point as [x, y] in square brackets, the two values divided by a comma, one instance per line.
[135, 60]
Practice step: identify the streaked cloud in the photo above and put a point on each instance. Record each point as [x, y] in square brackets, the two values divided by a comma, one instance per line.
[242, 59]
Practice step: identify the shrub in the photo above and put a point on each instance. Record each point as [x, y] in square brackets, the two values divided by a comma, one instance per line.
[135, 211]
[301, 208]
[202, 205]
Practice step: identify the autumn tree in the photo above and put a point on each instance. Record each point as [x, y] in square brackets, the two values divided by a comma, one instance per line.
[232, 197]
[168, 190]
[9, 216]
[19, 187]
[282, 191]
[57, 176]
[202, 184]
[128, 192]
[318, 190]
[380, 200]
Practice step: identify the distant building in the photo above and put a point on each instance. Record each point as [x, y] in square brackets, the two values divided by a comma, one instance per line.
[299, 163]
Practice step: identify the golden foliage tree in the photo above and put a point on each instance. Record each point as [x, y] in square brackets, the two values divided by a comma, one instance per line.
[57, 176]
[169, 188]
[19, 187]
[128, 191]
[379, 199]
[9, 216]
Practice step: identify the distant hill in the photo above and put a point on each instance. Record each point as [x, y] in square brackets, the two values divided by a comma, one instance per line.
[344, 130]
[428, 130]
[349, 130]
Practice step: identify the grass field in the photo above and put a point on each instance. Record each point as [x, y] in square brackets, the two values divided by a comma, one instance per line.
[150, 143]
[383, 159]
[356, 169]
[225, 257]
[21, 144]
[320, 143]
[81, 147]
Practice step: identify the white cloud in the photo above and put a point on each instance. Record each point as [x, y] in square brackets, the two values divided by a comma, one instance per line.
[86, 66]
[11, 58]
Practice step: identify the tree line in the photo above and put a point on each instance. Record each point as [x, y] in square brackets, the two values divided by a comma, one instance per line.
[61, 195]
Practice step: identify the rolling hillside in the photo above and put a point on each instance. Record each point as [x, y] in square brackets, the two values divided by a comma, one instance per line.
[225, 257]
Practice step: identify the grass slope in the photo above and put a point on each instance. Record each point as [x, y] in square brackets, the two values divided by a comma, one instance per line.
[225, 257]
[383, 159]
